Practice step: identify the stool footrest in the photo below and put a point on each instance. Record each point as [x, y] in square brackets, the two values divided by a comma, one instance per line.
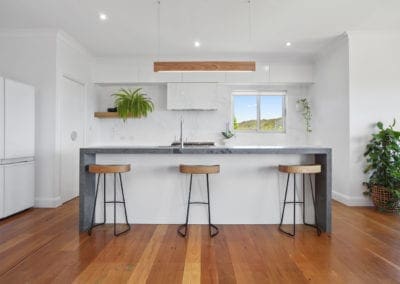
[114, 202]
[198, 202]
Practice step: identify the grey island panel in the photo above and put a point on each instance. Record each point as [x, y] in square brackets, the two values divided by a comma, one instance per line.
[322, 155]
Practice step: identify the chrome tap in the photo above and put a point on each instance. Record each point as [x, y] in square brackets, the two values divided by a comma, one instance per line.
[181, 135]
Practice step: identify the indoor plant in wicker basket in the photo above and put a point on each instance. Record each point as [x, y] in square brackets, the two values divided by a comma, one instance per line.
[383, 165]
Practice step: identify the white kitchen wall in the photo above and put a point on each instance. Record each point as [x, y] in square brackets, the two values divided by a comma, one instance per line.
[162, 126]
[374, 94]
[330, 109]
[356, 85]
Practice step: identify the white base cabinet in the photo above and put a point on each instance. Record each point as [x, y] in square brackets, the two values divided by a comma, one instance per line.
[17, 187]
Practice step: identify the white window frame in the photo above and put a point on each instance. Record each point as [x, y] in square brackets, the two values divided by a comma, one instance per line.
[258, 95]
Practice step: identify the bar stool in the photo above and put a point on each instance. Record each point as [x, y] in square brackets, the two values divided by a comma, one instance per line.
[104, 170]
[195, 170]
[299, 169]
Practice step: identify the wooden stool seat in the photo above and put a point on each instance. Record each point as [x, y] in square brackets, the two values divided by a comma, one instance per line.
[300, 169]
[108, 169]
[199, 169]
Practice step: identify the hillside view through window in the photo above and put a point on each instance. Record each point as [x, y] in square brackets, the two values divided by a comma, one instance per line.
[259, 111]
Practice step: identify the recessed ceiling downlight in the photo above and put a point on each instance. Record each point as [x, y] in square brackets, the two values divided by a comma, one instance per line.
[103, 17]
[197, 43]
[288, 43]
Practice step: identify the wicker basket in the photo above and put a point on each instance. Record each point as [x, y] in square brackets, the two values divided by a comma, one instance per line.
[383, 199]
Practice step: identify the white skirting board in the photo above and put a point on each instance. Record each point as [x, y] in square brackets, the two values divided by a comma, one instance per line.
[48, 202]
[351, 200]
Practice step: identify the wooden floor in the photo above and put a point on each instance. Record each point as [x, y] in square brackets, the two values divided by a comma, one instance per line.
[44, 246]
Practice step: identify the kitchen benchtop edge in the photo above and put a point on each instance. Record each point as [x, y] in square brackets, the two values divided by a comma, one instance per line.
[204, 149]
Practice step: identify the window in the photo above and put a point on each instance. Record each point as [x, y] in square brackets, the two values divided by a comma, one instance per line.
[259, 111]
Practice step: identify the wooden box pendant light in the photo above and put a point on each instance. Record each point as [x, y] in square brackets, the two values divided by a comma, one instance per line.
[201, 66]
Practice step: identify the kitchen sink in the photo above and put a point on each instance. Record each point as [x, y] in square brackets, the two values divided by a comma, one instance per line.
[193, 144]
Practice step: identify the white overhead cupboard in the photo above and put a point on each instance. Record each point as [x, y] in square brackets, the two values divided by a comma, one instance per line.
[17, 146]
[192, 96]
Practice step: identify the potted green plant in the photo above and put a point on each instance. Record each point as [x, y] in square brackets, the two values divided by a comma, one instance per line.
[383, 165]
[227, 134]
[132, 103]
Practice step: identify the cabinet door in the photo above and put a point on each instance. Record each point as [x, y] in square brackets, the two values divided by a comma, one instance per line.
[1, 119]
[115, 72]
[18, 192]
[192, 96]
[147, 75]
[2, 192]
[203, 77]
[19, 120]
[291, 73]
[261, 75]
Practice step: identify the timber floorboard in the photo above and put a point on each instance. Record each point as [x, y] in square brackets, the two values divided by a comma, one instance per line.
[44, 246]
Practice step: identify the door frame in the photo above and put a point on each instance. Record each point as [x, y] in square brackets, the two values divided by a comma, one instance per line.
[58, 142]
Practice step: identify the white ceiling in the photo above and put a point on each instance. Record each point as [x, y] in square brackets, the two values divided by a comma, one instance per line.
[222, 26]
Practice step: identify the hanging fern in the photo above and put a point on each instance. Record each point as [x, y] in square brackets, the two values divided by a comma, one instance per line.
[306, 112]
[132, 103]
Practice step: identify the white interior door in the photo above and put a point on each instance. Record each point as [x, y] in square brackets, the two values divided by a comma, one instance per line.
[72, 133]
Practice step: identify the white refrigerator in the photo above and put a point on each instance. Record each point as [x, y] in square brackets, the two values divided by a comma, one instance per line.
[17, 147]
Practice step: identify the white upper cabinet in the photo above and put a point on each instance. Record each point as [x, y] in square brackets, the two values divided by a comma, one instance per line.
[121, 71]
[192, 96]
[1, 119]
[115, 72]
[19, 120]
[261, 75]
[291, 73]
[147, 75]
[203, 76]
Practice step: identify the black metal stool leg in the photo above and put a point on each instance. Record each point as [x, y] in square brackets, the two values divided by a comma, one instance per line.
[315, 209]
[104, 198]
[124, 204]
[187, 211]
[115, 205]
[94, 207]
[304, 199]
[294, 204]
[284, 206]
[210, 226]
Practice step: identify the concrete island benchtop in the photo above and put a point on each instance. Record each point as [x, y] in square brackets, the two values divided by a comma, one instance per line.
[312, 150]
[320, 155]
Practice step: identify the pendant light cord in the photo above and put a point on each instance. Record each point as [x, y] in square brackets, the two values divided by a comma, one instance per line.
[158, 29]
[249, 19]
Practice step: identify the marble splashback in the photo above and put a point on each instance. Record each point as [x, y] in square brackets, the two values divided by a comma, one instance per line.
[162, 126]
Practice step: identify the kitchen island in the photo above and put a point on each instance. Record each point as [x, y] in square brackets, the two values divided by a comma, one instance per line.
[248, 190]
